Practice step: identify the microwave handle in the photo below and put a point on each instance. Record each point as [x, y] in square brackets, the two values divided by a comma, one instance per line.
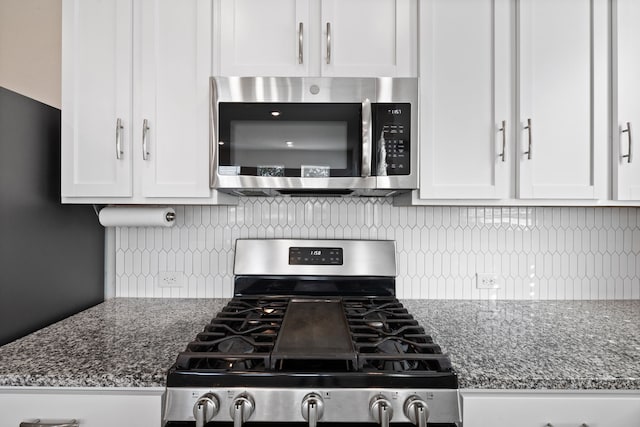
[366, 137]
[213, 130]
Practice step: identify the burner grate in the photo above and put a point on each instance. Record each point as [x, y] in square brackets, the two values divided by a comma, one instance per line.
[355, 334]
[240, 337]
[388, 339]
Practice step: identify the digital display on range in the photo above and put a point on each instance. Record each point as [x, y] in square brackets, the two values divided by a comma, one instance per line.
[315, 256]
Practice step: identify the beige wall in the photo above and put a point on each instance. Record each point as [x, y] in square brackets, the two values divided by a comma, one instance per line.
[30, 48]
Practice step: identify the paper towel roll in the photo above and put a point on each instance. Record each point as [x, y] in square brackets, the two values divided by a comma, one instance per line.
[137, 217]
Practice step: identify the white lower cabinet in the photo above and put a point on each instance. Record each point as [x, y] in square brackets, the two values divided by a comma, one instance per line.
[482, 408]
[90, 407]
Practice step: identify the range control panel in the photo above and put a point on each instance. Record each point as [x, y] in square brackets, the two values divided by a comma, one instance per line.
[392, 136]
[315, 256]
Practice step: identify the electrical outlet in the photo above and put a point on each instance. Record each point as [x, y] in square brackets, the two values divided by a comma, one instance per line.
[171, 279]
[487, 281]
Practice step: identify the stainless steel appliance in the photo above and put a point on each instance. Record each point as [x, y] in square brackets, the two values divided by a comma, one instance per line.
[314, 135]
[313, 334]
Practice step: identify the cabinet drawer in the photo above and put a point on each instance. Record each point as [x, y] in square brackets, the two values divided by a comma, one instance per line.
[90, 407]
[558, 409]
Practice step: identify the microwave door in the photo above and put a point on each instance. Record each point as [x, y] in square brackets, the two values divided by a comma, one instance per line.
[291, 140]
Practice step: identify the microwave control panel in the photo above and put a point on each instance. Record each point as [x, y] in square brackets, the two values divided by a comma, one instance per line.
[392, 136]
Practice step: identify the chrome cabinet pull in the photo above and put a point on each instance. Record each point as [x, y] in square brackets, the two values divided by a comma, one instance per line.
[581, 425]
[528, 127]
[40, 423]
[145, 131]
[119, 128]
[503, 129]
[328, 43]
[300, 43]
[628, 130]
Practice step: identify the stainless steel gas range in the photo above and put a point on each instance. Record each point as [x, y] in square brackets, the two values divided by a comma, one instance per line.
[314, 334]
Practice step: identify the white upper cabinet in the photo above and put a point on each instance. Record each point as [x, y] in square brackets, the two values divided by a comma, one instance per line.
[466, 99]
[263, 37]
[96, 98]
[562, 129]
[172, 69]
[136, 102]
[348, 38]
[626, 100]
[525, 79]
[368, 38]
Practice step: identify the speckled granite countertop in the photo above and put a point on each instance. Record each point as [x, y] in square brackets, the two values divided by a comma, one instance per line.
[492, 344]
[537, 344]
[123, 342]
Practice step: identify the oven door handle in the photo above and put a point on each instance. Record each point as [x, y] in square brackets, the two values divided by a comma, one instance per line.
[366, 138]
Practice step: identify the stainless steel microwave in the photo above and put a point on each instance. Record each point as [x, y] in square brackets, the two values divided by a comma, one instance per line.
[314, 135]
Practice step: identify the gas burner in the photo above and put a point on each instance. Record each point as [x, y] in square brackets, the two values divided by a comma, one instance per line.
[396, 348]
[219, 363]
[376, 320]
[268, 328]
[235, 345]
[255, 309]
[397, 345]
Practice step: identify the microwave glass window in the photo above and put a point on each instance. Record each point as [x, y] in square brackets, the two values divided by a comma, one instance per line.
[291, 139]
[288, 143]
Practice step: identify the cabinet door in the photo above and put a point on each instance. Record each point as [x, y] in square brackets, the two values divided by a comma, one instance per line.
[368, 38]
[626, 105]
[563, 85]
[465, 69]
[172, 70]
[558, 409]
[91, 408]
[263, 37]
[96, 96]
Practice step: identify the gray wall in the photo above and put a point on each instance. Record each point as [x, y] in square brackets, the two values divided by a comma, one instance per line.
[51, 255]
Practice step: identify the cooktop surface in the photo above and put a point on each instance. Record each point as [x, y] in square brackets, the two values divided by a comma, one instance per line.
[313, 341]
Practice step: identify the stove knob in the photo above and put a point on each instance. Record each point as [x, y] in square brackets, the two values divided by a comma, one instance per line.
[416, 410]
[205, 409]
[312, 408]
[241, 409]
[381, 410]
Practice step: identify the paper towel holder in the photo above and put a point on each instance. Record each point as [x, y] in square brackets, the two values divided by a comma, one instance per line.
[137, 216]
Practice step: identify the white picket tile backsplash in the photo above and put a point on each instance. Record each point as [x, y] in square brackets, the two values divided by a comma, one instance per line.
[536, 253]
